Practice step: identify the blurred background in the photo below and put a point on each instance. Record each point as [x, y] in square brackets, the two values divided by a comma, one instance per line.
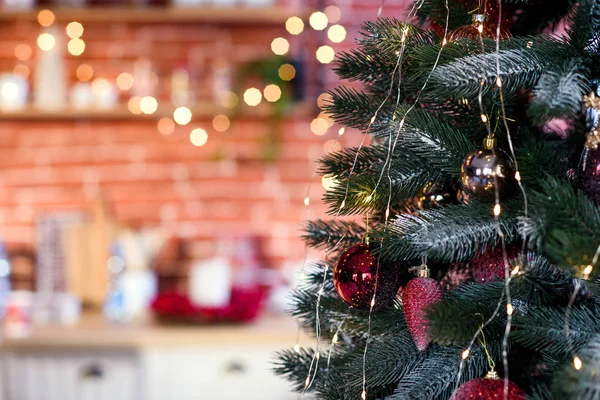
[155, 162]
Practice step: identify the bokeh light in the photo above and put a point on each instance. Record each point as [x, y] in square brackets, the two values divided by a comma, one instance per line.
[166, 126]
[333, 14]
[198, 137]
[46, 18]
[46, 41]
[325, 54]
[323, 100]
[230, 100]
[22, 70]
[134, 105]
[336, 33]
[294, 25]
[280, 46]
[84, 72]
[182, 115]
[272, 93]
[318, 126]
[318, 21]
[100, 86]
[23, 52]
[148, 105]
[287, 72]
[221, 123]
[74, 30]
[125, 81]
[252, 97]
[325, 117]
[76, 47]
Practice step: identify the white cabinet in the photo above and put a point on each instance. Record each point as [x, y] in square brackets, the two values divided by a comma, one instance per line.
[240, 372]
[44, 375]
[231, 373]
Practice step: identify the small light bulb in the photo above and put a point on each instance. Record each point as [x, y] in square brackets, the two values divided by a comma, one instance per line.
[465, 354]
[387, 213]
[373, 302]
[577, 363]
[484, 118]
[46, 18]
[306, 201]
[76, 46]
[252, 96]
[336, 33]
[280, 46]
[287, 72]
[325, 54]
[307, 381]
[515, 271]
[46, 41]
[509, 309]
[497, 210]
[368, 199]
[182, 115]
[444, 42]
[518, 176]
[272, 93]
[318, 21]
[74, 30]
[363, 395]
[341, 131]
[499, 82]
[587, 271]
[125, 81]
[294, 25]
[198, 137]
[480, 28]
[148, 105]
[373, 118]
[335, 338]
[333, 14]
[297, 348]
[343, 205]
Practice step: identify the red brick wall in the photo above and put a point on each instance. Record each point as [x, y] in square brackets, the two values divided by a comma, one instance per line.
[150, 179]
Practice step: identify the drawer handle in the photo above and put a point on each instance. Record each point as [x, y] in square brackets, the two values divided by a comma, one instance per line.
[235, 368]
[92, 371]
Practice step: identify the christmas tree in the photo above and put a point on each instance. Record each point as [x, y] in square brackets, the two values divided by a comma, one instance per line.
[461, 255]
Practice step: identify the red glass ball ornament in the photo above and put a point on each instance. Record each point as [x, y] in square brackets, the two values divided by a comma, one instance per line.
[487, 389]
[589, 174]
[357, 272]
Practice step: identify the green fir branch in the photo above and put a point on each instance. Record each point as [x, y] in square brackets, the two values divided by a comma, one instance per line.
[558, 93]
[583, 384]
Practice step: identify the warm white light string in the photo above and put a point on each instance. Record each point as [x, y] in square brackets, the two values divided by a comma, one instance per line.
[577, 363]
[508, 273]
[388, 163]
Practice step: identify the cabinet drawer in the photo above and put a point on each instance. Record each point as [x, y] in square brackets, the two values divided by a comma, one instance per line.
[231, 373]
[71, 376]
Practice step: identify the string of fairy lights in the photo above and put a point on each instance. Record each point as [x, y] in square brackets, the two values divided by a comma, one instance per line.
[496, 211]
[183, 115]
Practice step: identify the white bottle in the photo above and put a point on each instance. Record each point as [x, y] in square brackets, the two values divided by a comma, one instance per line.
[50, 81]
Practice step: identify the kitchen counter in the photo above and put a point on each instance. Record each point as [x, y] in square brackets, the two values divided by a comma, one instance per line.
[93, 332]
[146, 361]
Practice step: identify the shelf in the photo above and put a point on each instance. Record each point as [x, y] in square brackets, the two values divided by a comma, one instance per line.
[168, 14]
[201, 112]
